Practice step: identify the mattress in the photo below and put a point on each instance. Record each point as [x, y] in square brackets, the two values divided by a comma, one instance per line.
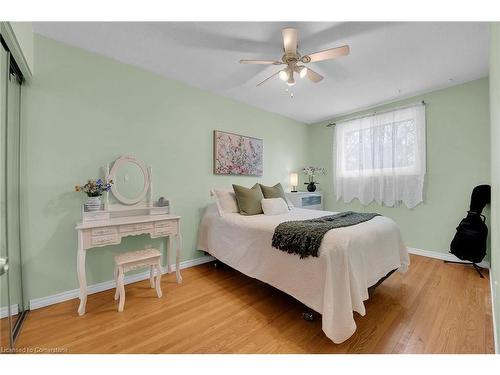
[335, 284]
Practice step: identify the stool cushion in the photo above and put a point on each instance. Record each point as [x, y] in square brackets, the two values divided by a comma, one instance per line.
[135, 256]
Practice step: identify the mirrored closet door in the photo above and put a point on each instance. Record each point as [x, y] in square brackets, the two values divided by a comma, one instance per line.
[11, 292]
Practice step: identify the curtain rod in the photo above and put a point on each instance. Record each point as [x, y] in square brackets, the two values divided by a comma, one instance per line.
[377, 113]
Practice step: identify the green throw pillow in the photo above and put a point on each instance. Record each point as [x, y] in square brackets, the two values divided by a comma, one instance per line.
[249, 199]
[275, 191]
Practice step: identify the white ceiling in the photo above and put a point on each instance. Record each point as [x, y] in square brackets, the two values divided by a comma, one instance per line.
[387, 60]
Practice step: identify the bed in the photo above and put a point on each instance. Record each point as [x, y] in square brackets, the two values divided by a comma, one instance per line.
[334, 284]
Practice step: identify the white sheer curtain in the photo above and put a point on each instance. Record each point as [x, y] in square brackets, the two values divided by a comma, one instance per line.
[381, 157]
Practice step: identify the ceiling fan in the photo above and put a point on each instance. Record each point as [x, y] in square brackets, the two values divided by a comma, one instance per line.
[292, 59]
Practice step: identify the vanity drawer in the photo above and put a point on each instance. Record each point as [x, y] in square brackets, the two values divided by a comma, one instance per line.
[165, 227]
[100, 236]
[109, 239]
[136, 227]
[104, 231]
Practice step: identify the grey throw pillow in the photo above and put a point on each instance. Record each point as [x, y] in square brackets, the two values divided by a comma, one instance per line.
[249, 200]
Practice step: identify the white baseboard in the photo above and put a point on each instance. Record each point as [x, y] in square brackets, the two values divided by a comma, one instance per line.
[443, 256]
[110, 284]
[4, 311]
[495, 338]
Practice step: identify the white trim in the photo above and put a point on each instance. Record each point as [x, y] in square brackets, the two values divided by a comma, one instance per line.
[4, 311]
[442, 256]
[495, 338]
[15, 49]
[110, 284]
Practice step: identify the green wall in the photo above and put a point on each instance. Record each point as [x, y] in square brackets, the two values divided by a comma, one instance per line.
[495, 167]
[458, 158]
[82, 110]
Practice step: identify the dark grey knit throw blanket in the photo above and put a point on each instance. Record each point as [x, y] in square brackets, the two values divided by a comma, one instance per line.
[304, 237]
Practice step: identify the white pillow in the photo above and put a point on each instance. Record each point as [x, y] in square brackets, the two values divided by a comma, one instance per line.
[274, 206]
[226, 201]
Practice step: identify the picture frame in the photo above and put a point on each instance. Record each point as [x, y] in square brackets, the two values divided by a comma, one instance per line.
[237, 154]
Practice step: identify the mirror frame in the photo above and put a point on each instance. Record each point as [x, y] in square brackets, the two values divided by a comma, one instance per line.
[122, 160]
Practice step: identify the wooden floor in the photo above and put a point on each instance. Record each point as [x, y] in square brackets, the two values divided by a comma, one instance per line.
[4, 334]
[434, 308]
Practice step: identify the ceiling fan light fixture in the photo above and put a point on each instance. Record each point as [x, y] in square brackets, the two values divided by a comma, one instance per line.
[303, 71]
[292, 58]
[283, 75]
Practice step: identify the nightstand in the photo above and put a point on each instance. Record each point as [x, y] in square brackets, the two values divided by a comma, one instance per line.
[305, 199]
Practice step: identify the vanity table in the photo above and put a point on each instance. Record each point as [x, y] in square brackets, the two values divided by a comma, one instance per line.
[129, 217]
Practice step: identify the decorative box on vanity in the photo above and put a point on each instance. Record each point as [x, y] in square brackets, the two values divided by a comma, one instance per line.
[304, 199]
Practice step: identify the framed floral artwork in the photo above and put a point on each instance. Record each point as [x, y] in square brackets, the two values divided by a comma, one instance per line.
[236, 154]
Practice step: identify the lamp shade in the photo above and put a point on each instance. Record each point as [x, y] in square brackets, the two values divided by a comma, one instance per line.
[294, 179]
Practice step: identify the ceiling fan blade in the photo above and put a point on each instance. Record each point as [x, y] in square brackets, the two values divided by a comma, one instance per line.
[327, 54]
[289, 40]
[313, 76]
[268, 78]
[261, 62]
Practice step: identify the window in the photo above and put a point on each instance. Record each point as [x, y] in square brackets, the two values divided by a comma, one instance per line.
[381, 157]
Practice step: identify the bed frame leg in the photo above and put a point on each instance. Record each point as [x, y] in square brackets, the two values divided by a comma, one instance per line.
[309, 316]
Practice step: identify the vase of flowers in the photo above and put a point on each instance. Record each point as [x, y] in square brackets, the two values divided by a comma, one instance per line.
[311, 173]
[94, 190]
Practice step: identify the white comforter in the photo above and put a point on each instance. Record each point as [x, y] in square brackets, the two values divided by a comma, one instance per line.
[335, 284]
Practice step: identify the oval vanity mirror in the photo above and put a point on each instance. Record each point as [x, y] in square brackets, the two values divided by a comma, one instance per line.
[131, 180]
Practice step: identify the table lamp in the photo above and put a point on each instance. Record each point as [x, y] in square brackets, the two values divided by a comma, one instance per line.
[294, 181]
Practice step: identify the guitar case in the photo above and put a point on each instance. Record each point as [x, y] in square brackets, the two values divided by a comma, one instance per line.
[469, 243]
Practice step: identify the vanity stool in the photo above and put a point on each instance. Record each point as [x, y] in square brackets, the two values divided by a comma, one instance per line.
[132, 260]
